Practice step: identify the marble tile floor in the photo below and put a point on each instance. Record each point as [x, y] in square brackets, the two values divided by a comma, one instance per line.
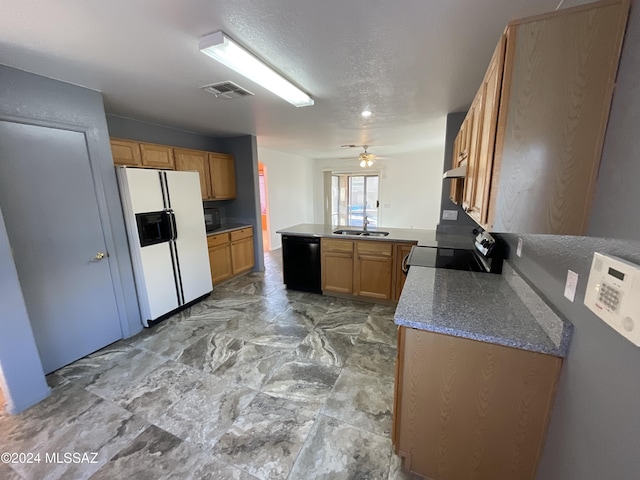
[254, 382]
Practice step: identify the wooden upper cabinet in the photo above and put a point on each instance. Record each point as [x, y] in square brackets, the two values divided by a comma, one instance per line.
[457, 184]
[223, 176]
[157, 156]
[486, 104]
[125, 152]
[548, 105]
[474, 119]
[195, 160]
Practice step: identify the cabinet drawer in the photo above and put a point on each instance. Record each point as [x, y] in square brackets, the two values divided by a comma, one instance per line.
[215, 240]
[342, 246]
[375, 248]
[240, 234]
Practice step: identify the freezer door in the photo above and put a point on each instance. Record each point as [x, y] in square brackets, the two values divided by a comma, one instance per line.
[191, 242]
[157, 290]
[144, 189]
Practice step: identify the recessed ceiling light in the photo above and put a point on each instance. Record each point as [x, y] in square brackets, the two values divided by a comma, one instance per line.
[366, 113]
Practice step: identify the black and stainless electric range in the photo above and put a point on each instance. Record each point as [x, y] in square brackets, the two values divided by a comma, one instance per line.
[484, 254]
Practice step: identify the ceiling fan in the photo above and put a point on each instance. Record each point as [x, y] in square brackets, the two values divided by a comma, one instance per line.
[366, 159]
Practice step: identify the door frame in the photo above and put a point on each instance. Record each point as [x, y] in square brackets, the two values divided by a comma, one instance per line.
[91, 141]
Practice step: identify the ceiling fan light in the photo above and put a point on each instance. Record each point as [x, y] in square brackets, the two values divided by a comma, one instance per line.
[363, 163]
[369, 162]
[221, 48]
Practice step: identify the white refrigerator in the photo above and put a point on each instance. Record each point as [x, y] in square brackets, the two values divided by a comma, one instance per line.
[167, 238]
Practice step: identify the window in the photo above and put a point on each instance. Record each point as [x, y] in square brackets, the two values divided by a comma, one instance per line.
[353, 197]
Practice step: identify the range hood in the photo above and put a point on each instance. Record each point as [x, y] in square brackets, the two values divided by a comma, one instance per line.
[459, 172]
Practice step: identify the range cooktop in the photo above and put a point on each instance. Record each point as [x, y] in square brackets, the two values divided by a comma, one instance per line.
[483, 256]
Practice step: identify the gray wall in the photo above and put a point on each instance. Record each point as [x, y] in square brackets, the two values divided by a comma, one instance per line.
[464, 221]
[246, 207]
[30, 98]
[141, 131]
[595, 425]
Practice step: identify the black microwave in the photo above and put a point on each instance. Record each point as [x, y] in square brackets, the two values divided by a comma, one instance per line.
[211, 218]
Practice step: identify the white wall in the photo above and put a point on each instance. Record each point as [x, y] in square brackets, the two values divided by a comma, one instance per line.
[410, 186]
[289, 189]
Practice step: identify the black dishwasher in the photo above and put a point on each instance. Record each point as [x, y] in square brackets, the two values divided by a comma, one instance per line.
[301, 263]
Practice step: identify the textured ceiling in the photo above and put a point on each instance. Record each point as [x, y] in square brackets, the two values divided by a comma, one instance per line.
[409, 61]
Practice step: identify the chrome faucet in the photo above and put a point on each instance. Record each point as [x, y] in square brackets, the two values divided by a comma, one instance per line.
[365, 222]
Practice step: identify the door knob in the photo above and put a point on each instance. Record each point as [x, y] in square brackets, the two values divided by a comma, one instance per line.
[100, 256]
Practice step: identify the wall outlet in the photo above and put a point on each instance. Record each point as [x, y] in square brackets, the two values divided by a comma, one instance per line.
[450, 215]
[571, 285]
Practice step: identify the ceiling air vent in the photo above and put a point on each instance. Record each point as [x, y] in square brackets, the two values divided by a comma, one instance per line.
[227, 90]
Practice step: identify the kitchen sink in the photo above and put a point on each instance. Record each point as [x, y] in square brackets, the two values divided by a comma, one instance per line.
[361, 233]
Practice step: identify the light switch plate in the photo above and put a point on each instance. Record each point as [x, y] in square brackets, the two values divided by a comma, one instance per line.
[571, 285]
[450, 215]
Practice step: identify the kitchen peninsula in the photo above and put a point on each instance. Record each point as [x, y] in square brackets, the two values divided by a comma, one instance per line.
[359, 264]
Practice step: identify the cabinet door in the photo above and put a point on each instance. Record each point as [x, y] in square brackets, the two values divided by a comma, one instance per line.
[473, 118]
[195, 160]
[478, 207]
[242, 258]
[125, 152]
[337, 272]
[457, 184]
[220, 263]
[373, 269]
[461, 404]
[559, 78]
[223, 176]
[400, 254]
[157, 156]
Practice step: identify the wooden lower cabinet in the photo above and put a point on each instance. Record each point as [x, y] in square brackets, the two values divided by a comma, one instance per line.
[399, 277]
[373, 270]
[337, 265]
[242, 258]
[220, 262]
[367, 269]
[469, 409]
[230, 254]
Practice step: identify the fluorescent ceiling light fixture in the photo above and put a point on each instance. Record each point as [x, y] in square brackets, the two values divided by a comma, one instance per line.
[221, 48]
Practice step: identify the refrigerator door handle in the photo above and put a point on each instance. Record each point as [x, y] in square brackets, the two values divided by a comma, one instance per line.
[172, 223]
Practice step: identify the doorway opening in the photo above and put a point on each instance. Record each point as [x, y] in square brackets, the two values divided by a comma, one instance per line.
[264, 206]
[352, 198]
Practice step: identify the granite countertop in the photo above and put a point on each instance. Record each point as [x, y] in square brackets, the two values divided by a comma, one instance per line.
[427, 238]
[228, 227]
[499, 309]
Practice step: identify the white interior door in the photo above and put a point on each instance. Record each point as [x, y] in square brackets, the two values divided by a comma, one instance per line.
[49, 203]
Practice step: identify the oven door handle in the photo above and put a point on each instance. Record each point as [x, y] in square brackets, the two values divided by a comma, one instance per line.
[405, 267]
